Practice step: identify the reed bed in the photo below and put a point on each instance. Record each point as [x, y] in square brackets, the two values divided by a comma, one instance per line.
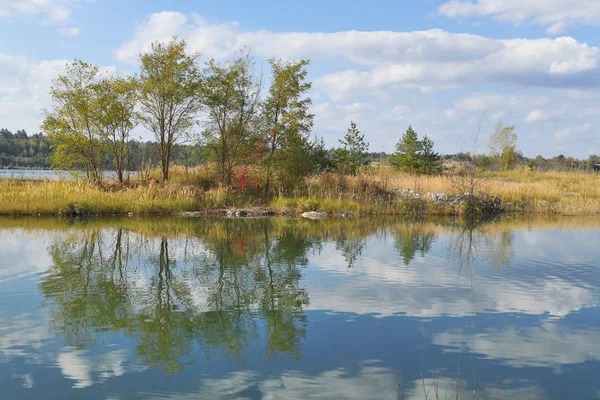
[370, 192]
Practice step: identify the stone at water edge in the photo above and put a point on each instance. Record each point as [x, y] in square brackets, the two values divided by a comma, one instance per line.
[315, 215]
[237, 213]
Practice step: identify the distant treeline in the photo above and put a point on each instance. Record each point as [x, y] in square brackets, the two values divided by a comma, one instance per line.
[20, 150]
[539, 163]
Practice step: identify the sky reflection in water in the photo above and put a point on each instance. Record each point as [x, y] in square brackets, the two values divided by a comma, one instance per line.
[186, 308]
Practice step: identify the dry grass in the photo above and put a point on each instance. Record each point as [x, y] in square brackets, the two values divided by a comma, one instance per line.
[56, 197]
[545, 193]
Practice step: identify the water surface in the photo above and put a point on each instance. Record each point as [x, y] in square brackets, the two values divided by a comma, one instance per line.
[276, 309]
[53, 175]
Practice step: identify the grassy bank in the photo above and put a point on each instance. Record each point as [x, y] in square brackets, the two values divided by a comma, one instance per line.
[369, 193]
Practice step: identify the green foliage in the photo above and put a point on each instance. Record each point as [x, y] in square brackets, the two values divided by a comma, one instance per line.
[503, 145]
[170, 82]
[321, 159]
[286, 123]
[354, 153]
[116, 117]
[230, 100]
[415, 156]
[73, 123]
[485, 162]
[406, 158]
[19, 150]
[430, 160]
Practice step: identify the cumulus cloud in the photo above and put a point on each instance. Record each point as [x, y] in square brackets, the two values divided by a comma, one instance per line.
[73, 31]
[371, 381]
[86, 369]
[576, 130]
[558, 63]
[372, 70]
[549, 345]
[51, 12]
[537, 115]
[368, 48]
[24, 90]
[425, 60]
[556, 18]
[485, 101]
[377, 285]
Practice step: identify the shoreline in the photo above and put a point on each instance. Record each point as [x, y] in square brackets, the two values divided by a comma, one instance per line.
[375, 193]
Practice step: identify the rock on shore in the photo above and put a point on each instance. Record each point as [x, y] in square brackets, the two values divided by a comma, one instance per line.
[315, 215]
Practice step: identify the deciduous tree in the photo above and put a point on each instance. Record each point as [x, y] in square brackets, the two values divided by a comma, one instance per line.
[230, 99]
[503, 145]
[287, 122]
[170, 82]
[116, 117]
[72, 122]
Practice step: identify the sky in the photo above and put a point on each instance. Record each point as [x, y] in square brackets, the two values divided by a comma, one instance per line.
[438, 65]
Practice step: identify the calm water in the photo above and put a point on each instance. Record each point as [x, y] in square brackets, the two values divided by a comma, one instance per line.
[34, 174]
[280, 309]
[48, 174]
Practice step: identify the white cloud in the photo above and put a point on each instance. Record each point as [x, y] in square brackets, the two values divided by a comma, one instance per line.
[49, 12]
[86, 369]
[537, 115]
[371, 381]
[560, 63]
[576, 130]
[555, 16]
[485, 101]
[73, 31]
[425, 60]
[375, 69]
[377, 285]
[368, 48]
[549, 345]
[24, 90]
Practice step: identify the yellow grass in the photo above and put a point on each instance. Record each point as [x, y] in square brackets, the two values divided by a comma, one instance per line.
[55, 197]
[545, 193]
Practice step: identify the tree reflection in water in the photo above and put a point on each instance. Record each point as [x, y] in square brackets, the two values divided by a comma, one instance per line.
[218, 286]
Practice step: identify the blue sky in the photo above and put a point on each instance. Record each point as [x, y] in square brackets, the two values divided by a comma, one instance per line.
[385, 64]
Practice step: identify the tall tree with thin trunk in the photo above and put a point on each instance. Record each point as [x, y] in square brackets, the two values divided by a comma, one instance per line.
[287, 121]
[116, 117]
[503, 145]
[230, 96]
[71, 124]
[170, 81]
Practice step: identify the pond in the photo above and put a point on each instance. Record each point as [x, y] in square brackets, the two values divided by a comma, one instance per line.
[39, 174]
[34, 174]
[182, 308]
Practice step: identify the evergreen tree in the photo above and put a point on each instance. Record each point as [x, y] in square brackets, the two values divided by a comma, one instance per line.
[407, 157]
[353, 154]
[430, 159]
[321, 158]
